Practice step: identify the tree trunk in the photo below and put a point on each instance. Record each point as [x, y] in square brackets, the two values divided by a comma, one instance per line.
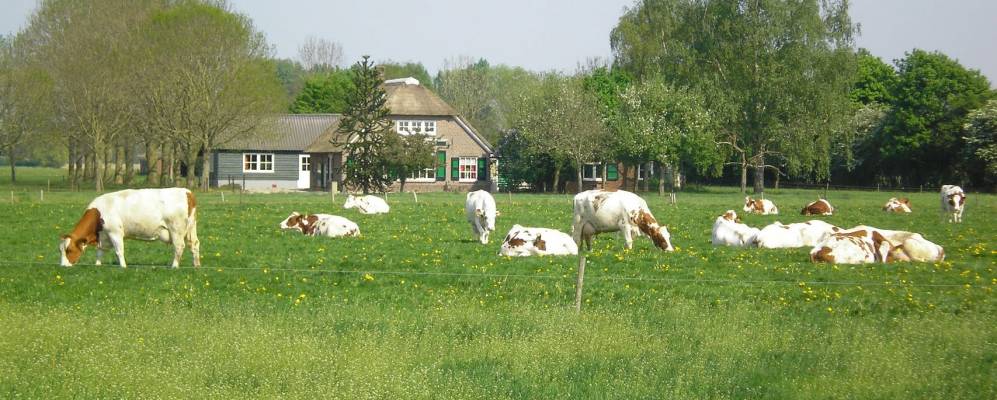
[71, 171]
[191, 179]
[168, 158]
[206, 169]
[401, 185]
[647, 176]
[661, 178]
[744, 176]
[129, 164]
[759, 178]
[581, 186]
[154, 166]
[13, 171]
[676, 178]
[91, 166]
[776, 180]
[119, 170]
[626, 180]
[557, 179]
[98, 173]
[605, 174]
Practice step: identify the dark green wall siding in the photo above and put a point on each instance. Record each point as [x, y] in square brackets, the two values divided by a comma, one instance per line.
[228, 164]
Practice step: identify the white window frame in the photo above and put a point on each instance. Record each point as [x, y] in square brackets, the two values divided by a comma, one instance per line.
[641, 170]
[410, 126]
[429, 128]
[422, 175]
[402, 126]
[306, 164]
[256, 163]
[467, 175]
[594, 168]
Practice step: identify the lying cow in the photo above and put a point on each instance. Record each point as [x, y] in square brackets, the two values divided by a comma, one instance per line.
[906, 246]
[801, 234]
[481, 213]
[759, 206]
[895, 205]
[729, 231]
[367, 204]
[321, 225]
[853, 247]
[819, 207]
[168, 215]
[598, 211]
[522, 241]
[953, 202]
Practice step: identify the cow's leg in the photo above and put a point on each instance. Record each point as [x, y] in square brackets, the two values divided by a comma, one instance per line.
[195, 244]
[628, 238]
[102, 240]
[576, 232]
[118, 244]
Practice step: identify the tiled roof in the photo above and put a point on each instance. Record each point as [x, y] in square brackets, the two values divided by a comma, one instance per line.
[292, 132]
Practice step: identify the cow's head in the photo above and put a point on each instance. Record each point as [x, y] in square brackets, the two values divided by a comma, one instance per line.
[749, 204]
[292, 221]
[897, 254]
[730, 215]
[71, 249]
[351, 201]
[658, 233]
[956, 200]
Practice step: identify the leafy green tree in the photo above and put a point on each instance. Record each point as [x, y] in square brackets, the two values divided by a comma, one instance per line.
[921, 138]
[291, 75]
[981, 145]
[518, 162]
[874, 80]
[25, 110]
[324, 93]
[365, 129]
[407, 154]
[777, 73]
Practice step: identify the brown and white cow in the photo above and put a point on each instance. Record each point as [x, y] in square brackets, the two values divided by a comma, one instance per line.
[906, 246]
[598, 211]
[523, 241]
[853, 247]
[759, 206]
[819, 207]
[321, 225]
[729, 231]
[953, 202]
[895, 205]
[168, 215]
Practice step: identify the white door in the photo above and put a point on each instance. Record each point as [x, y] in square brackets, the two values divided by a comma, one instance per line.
[304, 171]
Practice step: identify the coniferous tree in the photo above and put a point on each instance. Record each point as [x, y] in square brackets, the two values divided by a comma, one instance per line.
[364, 129]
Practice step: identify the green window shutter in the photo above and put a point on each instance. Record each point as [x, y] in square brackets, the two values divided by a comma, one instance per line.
[612, 173]
[482, 169]
[455, 168]
[441, 165]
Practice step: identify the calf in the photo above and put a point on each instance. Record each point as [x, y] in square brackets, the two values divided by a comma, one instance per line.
[729, 231]
[522, 241]
[759, 206]
[367, 204]
[598, 211]
[953, 202]
[168, 215]
[481, 213]
[321, 225]
[801, 234]
[854, 247]
[819, 207]
[895, 205]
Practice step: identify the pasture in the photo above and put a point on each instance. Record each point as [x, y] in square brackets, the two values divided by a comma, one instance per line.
[415, 308]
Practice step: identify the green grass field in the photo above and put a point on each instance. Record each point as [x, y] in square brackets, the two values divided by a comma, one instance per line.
[416, 309]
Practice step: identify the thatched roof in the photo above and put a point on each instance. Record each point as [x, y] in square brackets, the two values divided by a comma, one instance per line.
[407, 97]
[292, 132]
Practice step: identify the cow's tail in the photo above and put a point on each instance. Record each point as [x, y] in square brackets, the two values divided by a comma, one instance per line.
[191, 236]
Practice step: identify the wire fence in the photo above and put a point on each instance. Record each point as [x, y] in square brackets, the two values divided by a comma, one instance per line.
[615, 278]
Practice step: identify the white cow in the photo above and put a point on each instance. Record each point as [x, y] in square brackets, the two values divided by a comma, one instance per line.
[906, 246]
[729, 231]
[168, 215]
[953, 202]
[854, 247]
[598, 211]
[367, 204]
[321, 225]
[522, 241]
[759, 206]
[801, 234]
[481, 213]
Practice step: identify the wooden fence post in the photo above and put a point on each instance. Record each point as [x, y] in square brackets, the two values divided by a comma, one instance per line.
[415, 196]
[579, 283]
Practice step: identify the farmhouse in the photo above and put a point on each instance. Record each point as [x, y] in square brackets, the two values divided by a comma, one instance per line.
[305, 151]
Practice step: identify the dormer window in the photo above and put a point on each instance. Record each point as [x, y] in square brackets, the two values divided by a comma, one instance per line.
[408, 127]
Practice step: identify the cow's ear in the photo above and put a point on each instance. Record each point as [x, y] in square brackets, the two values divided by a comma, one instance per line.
[478, 212]
[498, 213]
[63, 237]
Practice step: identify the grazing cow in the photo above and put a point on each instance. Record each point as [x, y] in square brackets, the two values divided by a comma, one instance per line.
[729, 231]
[522, 241]
[759, 206]
[321, 225]
[819, 207]
[906, 246]
[853, 247]
[481, 213]
[801, 234]
[367, 204]
[895, 205]
[953, 201]
[598, 211]
[168, 215]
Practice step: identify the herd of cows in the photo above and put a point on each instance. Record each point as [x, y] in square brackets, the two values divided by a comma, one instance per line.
[170, 215]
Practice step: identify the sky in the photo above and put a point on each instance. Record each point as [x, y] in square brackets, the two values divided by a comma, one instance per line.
[543, 35]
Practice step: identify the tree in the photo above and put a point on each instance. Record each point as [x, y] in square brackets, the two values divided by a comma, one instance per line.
[318, 54]
[24, 109]
[777, 73]
[291, 75]
[518, 162]
[874, 80]
[981, 145]
[365, 128]
[922, 135]
[324, 93]
[407, 154]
